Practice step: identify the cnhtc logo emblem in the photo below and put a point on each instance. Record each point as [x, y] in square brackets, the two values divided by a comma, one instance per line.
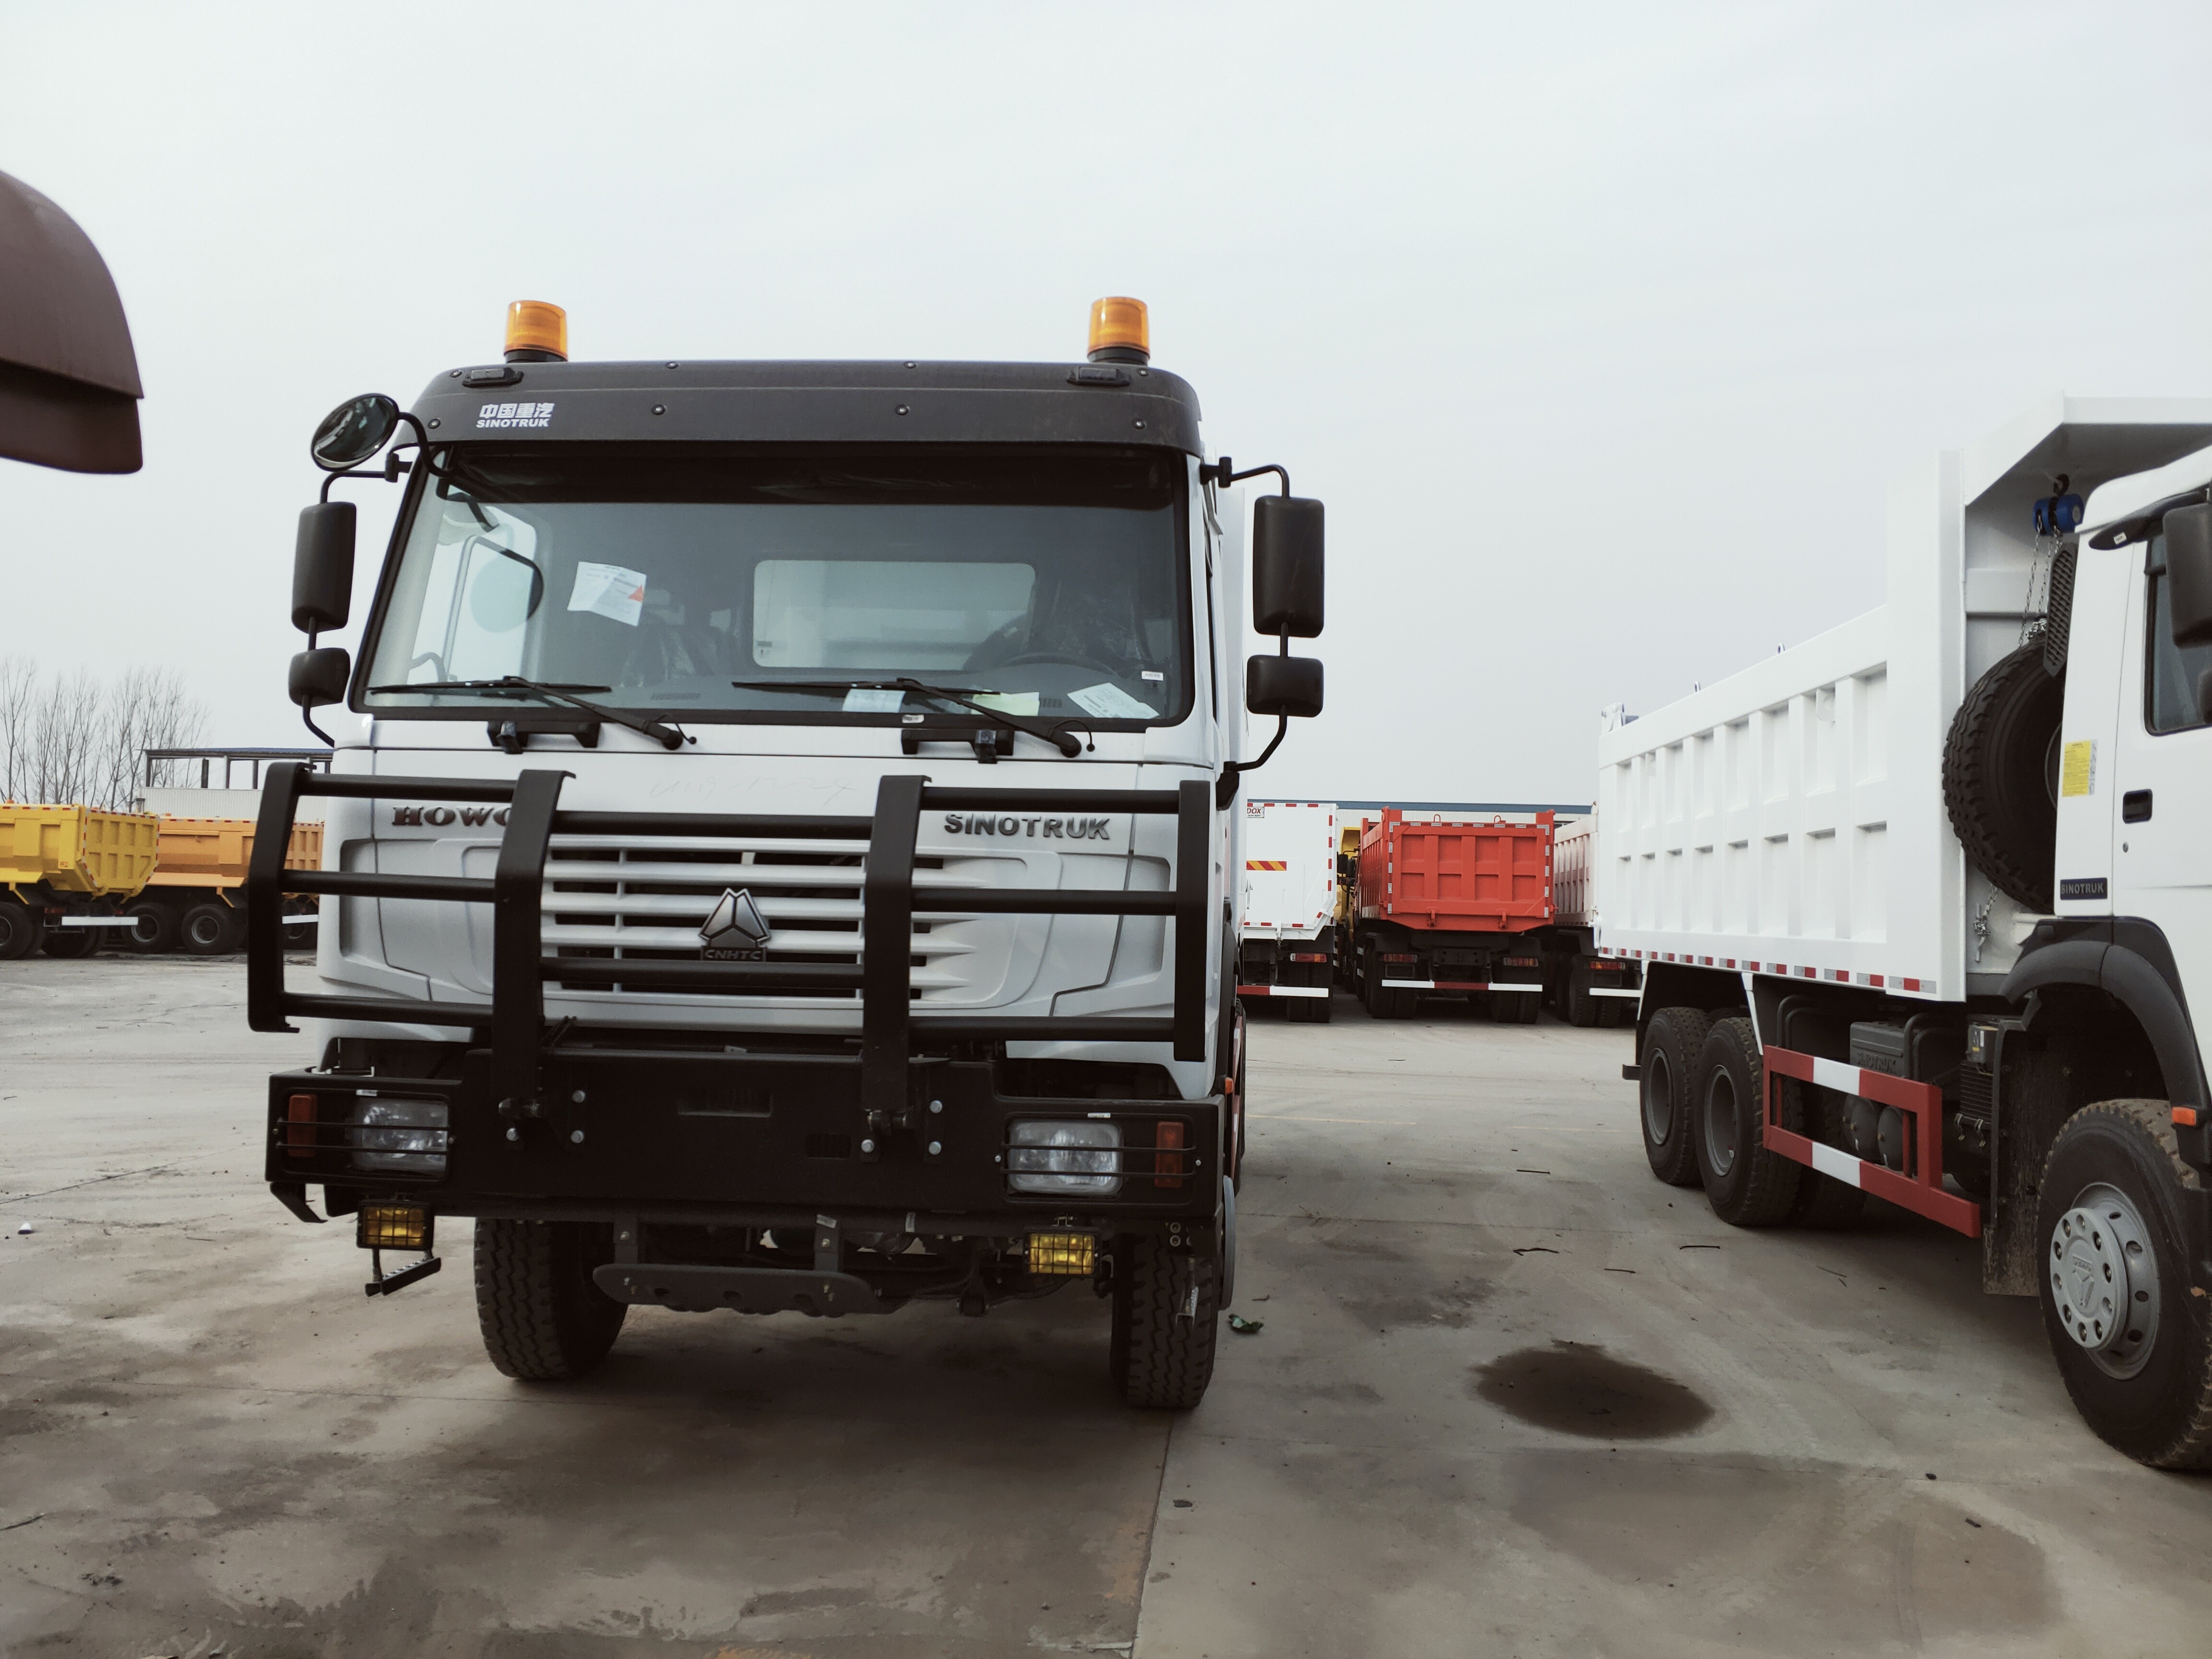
[736, 932]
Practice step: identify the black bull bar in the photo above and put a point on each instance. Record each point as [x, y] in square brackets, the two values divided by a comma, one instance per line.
[510, 1034]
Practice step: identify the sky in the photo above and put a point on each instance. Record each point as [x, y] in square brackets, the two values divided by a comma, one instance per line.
[1599, 329]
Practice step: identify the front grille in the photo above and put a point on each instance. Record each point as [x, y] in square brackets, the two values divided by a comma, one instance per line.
[645, 902]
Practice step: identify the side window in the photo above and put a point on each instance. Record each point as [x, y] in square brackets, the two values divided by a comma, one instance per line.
[2170, 673]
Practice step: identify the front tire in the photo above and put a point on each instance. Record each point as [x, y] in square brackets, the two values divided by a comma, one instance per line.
[1166, 1310]
[2127, 1322]
[543, 1319]
[1746, 1185]
[1671, 1043]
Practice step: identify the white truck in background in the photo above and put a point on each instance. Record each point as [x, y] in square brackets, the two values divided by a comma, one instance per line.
[1288, 944]
[1922, 906]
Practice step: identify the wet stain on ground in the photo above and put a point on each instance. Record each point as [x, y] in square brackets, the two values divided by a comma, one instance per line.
[1575, 1388]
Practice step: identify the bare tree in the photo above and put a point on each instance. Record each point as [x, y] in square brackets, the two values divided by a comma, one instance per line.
[66, 739]
[19, 690]
[72, 738]
[145, 708]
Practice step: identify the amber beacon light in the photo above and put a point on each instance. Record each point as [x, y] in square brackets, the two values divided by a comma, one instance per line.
[1121, 331]
[537, 332]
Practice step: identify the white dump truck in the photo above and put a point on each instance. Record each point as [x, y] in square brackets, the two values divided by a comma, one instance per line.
[1923, 905]
[781, 841]
[1289, 909]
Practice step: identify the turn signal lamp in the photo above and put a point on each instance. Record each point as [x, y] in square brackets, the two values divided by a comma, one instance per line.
[537, 332]
[299, 1127]
[1167, 1161]
[1120, 330]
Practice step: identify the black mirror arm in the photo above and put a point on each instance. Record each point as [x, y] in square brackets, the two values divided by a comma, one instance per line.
[1225, 786]
[392, 467]
[307, 719]
[1222, 473]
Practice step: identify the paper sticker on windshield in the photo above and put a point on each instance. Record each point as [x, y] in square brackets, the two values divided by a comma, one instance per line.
[610, 591]
[860, 701]
[1111, 702]
[1009, 703]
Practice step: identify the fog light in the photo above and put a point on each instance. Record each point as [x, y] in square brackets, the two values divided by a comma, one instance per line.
[402, 1135]
[1064, 1156]
[393, 1227]
[1068, 1255]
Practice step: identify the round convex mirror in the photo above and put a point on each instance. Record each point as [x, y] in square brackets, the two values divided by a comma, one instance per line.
[354, 431]
[505, 591]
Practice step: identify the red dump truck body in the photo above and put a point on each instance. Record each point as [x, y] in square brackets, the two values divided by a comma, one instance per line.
[1473, 911]
[1481, 878]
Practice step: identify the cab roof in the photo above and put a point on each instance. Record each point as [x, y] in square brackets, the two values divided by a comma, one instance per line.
[827, 401]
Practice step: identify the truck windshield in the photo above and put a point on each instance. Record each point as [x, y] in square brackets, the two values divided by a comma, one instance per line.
[1049, 581]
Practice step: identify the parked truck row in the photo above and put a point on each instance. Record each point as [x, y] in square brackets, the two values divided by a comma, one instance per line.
[1401, 907]
[74, 879]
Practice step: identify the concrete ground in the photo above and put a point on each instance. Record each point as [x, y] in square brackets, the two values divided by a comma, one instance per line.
[1510, 1396]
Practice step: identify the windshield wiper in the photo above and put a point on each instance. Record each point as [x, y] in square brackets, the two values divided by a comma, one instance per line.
[1056, 735]
[668, 735]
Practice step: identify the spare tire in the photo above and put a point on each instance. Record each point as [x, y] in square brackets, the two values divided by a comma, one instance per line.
[2001, 775]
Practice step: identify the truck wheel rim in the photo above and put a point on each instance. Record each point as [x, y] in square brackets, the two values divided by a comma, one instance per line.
[1720, 1122]
[1658, 1097]
[2104, 1280]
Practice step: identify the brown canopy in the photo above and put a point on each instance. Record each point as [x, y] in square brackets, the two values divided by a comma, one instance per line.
[69, 380]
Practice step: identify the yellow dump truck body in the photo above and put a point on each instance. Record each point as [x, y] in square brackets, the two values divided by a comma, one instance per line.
[213, 852]
[1347, 846]
[76, 849]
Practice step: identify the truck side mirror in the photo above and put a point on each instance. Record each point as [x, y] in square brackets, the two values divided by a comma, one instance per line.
[1283, 685]
[1286, 566]
[322, 567]
[319, 676]
[2189, 575]
[354, 431]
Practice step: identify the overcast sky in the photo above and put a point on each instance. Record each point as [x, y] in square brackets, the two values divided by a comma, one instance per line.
[1599, 329]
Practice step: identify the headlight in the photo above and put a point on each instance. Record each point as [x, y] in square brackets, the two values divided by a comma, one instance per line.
[1064, 1157]
[407, 1135]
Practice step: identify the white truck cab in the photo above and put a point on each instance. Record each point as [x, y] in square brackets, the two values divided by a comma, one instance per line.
[781, 839]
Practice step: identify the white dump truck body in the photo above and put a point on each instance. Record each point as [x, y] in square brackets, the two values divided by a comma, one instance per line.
[1789, 820]
[1290, 868]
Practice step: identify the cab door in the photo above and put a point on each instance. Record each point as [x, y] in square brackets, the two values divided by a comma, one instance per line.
[2162, 788]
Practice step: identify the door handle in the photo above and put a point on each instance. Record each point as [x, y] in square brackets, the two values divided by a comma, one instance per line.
[2134, 806]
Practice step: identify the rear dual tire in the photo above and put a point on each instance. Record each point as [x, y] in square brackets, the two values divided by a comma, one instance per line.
[22, 929]
[152, 930]
[209, 929]
[1746, 1185]
[1667, 1076]
[72, 944]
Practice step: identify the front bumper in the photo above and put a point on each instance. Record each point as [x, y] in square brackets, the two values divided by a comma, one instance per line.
[737, 1140]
